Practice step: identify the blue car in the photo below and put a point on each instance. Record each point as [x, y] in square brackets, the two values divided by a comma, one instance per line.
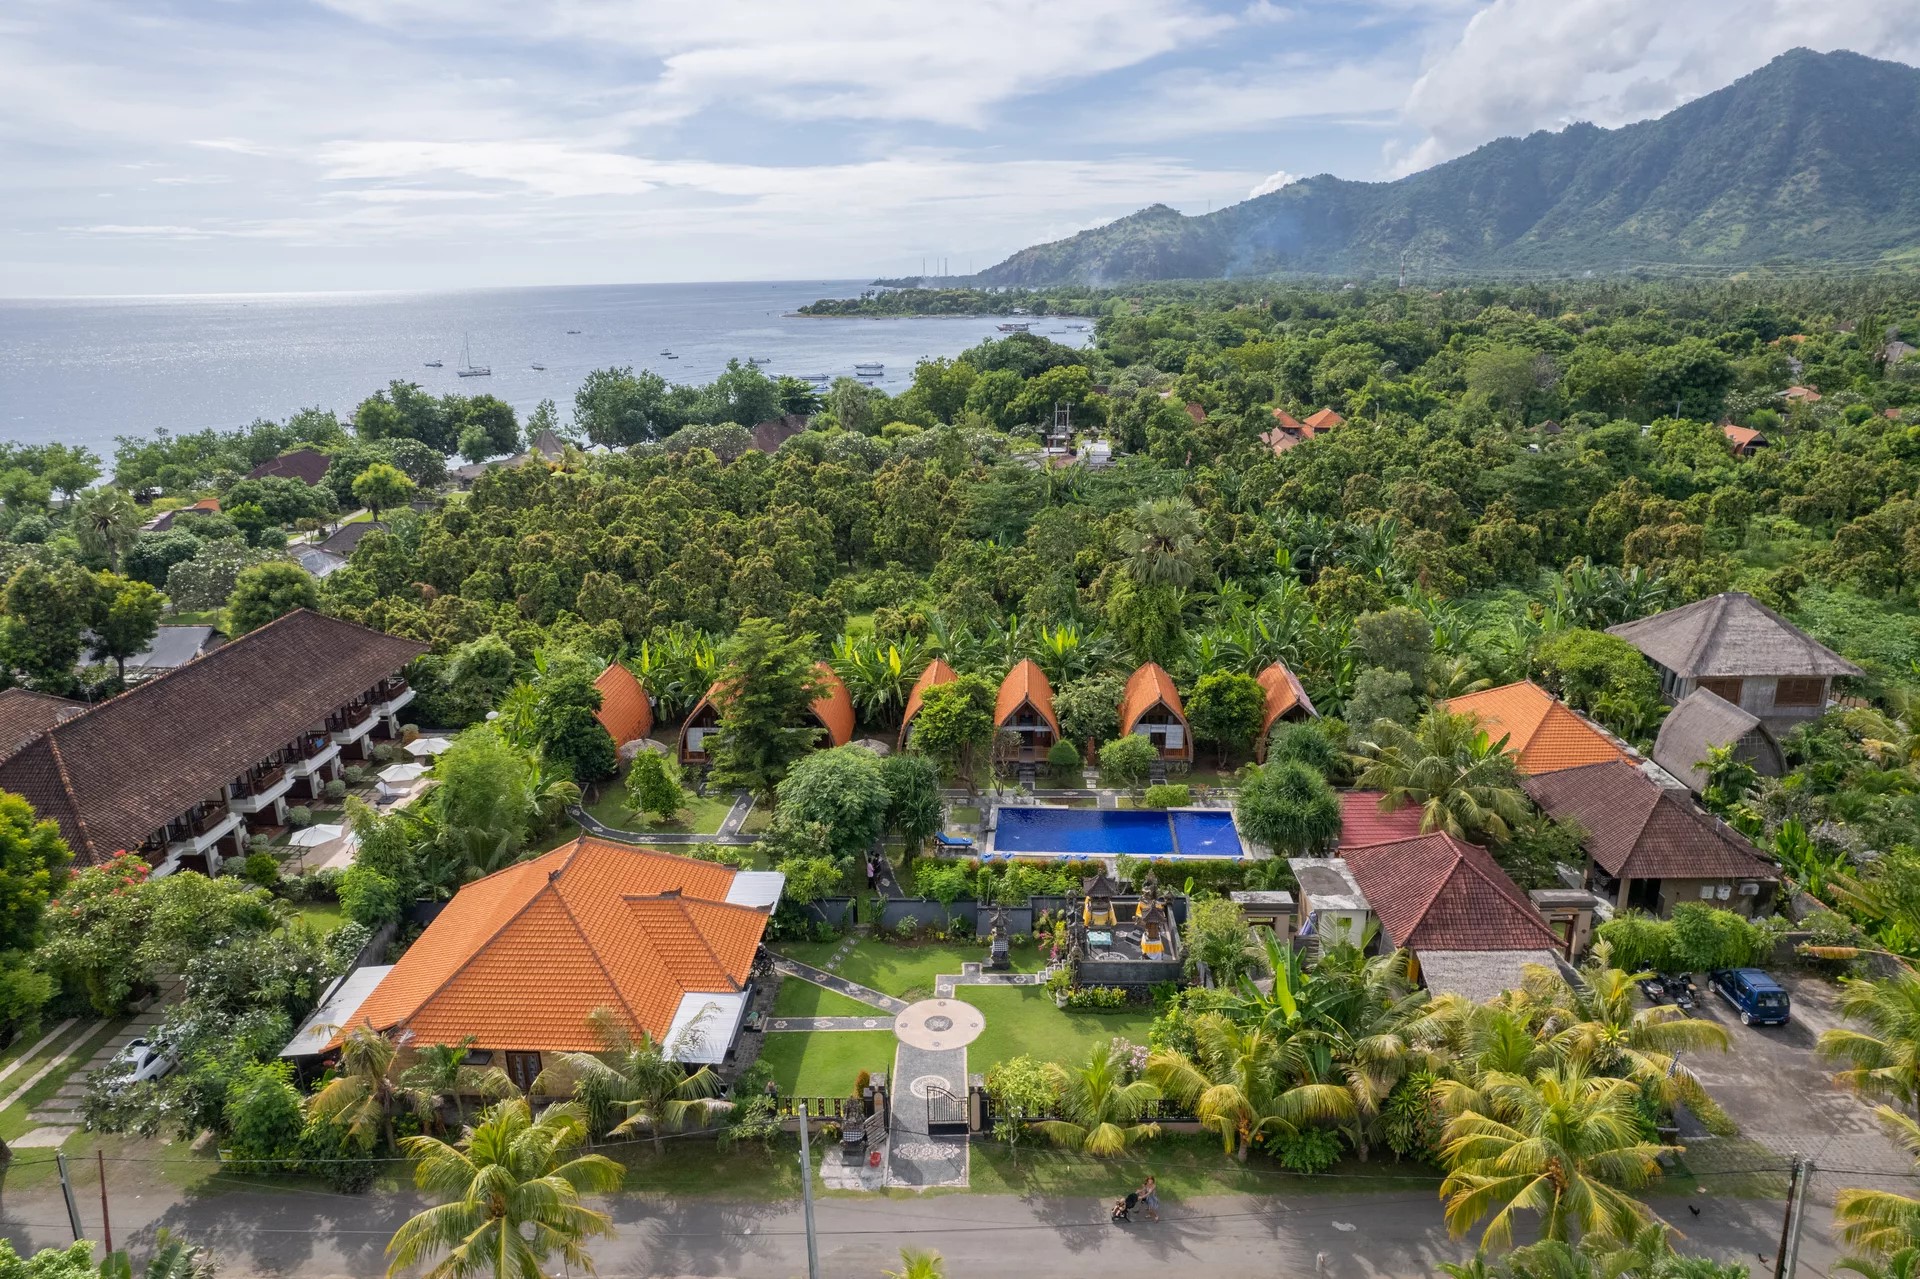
[1762, 1001]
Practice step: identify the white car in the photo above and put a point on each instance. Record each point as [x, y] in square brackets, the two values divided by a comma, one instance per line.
[142, 1060]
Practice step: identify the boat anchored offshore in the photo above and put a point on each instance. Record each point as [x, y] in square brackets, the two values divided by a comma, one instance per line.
[759, 359]
[1015, 326]
[539, 368]
[467, 367]
[869, 368]
[433, 364]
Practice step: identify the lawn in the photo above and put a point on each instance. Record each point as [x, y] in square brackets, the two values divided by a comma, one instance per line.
[90, 1036]
[905, 971]
[701, 816]
[1023, 1019]
[799, 998]
[824, 1063]
[323, 916]
[1186, 1165]
[964, 815]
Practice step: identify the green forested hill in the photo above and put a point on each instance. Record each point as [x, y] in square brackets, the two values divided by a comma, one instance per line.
[1813, 158]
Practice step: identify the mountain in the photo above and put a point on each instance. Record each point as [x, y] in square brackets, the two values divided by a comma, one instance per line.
[1814, 158]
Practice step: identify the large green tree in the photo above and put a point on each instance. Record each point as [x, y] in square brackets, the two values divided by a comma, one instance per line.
[266, 591]
[954, 723]
[1227, 709]
[127, 620]
[1290, 808]
[845, 791]
[767, 683]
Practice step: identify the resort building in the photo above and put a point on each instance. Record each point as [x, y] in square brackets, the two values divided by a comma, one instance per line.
[625, 711]
[1151, 708]
[1469, 928]
[1363, 821]
[522, 959]
[308, 465]
[1650, 847]
[180, 766]
[1288, 430]
[1543, 733]
[1702, 721]
[1025, 707]
[935, 673]
[1743, 440]
[1740, 650]
[1286, 700]
[831, 713]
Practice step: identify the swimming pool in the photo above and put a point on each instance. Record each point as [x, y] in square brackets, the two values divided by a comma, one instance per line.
[1179, 832]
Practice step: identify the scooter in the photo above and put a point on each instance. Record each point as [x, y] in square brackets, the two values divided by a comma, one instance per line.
[1655, 990]
[1680, 991]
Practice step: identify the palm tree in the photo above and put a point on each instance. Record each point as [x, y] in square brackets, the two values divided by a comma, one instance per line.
[1238, 1084]
[1565, 1144]
[1880, 1222]
[1462, 780]
[510, 1196]
[1163, 546]
[634, 1075]
[918, 1263]
[1597, 1023]
[1886, 1059]
[361, 1095]
[107, 521]
[1102, 1110]
[441, 1073]
[1902, 1263]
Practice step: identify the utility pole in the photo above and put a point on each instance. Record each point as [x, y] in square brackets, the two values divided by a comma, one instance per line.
[1787, 1231]
[106, 1222]
[66, 1191]
[806, 1194]
[1403, 268]
[1799, 1219]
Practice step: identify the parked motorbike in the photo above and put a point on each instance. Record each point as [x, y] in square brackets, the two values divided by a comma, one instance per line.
[1680, 991]
[1655, 990]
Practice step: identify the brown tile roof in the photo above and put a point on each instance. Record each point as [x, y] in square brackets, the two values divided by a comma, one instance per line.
[1806, 393]
[1638, 829]
[769, 435]
[309, 466]
[1435, 892]
[118, 771]
[1362, 822]
[624, 711]
[932, 675]
[1284, 696]
[1279, 439]
[834, 708]
[1542, 732]
[25, 715]
[1730, 634]
[1026, 683]
[521, 958]
[1325, 420]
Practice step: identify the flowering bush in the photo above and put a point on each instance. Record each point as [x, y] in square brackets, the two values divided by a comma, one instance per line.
[1096, 999]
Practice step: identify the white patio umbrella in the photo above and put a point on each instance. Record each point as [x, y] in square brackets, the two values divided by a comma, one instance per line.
[314, 836]
[401, 774]
[425, 746]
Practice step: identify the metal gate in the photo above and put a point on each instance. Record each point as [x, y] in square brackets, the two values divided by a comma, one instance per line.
[946, 1113]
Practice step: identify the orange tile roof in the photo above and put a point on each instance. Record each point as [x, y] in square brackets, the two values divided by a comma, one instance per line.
[1147, 685]
[1325, 419]
[624, 711]
[1287, 420]
[521, 958]
[1284, 694]
[937, 672]
[1026, 683]
[834, 708]
[1543, 734]
[1742, 437]
[1806, 393]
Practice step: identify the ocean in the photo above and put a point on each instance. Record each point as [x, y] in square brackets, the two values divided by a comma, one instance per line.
[85, 370]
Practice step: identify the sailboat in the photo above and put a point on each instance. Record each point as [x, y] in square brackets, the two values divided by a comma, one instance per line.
[467, 367]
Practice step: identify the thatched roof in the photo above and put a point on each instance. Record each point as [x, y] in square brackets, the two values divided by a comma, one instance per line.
[1704, 719]
[1731, 634]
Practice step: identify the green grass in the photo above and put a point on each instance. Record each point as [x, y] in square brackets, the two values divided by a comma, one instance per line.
[695, 1166]
[323, 916]
[964, 815]
[13, 1120]
[824, 1063]
[195, 617]
[905, 971]
[801, 998]
[701, 816]
[1023, 1019]
[758, 818]
[1186, 1165]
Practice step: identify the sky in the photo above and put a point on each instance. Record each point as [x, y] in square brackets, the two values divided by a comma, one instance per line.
[209, 146]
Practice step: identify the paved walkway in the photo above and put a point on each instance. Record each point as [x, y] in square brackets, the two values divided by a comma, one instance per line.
[975, 975]
[927, 1085]
[876, 1022]
[839, 985]
[594, 826]
[57, 1117]
[742, 805]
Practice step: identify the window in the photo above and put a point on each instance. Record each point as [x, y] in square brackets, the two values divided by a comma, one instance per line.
[1727, 688]
[523, 1069]
[1800, 690]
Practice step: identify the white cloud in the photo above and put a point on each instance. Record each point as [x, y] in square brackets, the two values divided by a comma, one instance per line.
[1273, 182]
[1521, 65]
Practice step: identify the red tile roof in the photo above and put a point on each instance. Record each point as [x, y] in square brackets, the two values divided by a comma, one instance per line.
[1543, 733]
[1325, 419]
[1638, 829]
[1742, 438]
[624, 711]
[121, 769]
[935, 673]
[1284, 696]
[1287, 420]
[1435, 892]
[834, 707]
[1026, 683]
[521, 958]
[1362, 822]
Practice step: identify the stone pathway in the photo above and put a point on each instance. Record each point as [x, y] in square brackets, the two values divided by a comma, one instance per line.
[594, 826]
[917, 1159]
[976, 975]
[839, 985]
[742, 805]
[57, 1118]
[830, 1023]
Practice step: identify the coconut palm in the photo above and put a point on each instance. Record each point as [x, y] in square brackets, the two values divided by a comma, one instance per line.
[1239, 1083]
[441, 1072]
[107, 521]
[1886, 1057]
[511, 1196]
[362, 1096]
[1101, 1110]
[1597, 1023]
[918, 1263]
[1462, 780]
[1879, 1222]
[632, 1076]
[1902, 1263]
[1564, 1144]
[1163, 547]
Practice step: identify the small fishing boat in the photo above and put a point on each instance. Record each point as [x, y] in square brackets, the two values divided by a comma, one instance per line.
[668, 354]
[672, 356]
[1015, 326]
[573, 330]
[467, 367]
[539, 368]
[759, 359]
[869, 367]
[816, 377]
[433, 364]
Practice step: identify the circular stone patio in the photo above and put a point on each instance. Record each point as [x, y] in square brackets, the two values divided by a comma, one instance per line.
[937, 1024]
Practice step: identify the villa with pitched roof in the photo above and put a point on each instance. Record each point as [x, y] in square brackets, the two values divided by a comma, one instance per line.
[1286, 700]
[625, 711]
[523, 958]
[1025, 707]
[1739, 649]
[1150, 708]
[1543, 733]
[831, 713]
[934, 674]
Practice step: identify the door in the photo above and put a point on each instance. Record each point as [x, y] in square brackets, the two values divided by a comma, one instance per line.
[523, 1069]
[1644, 894]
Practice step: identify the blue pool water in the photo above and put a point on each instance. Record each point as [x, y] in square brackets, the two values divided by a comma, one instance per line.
[1101, 832]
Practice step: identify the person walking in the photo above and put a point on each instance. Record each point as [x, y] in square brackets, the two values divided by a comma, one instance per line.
[1150, 1198]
